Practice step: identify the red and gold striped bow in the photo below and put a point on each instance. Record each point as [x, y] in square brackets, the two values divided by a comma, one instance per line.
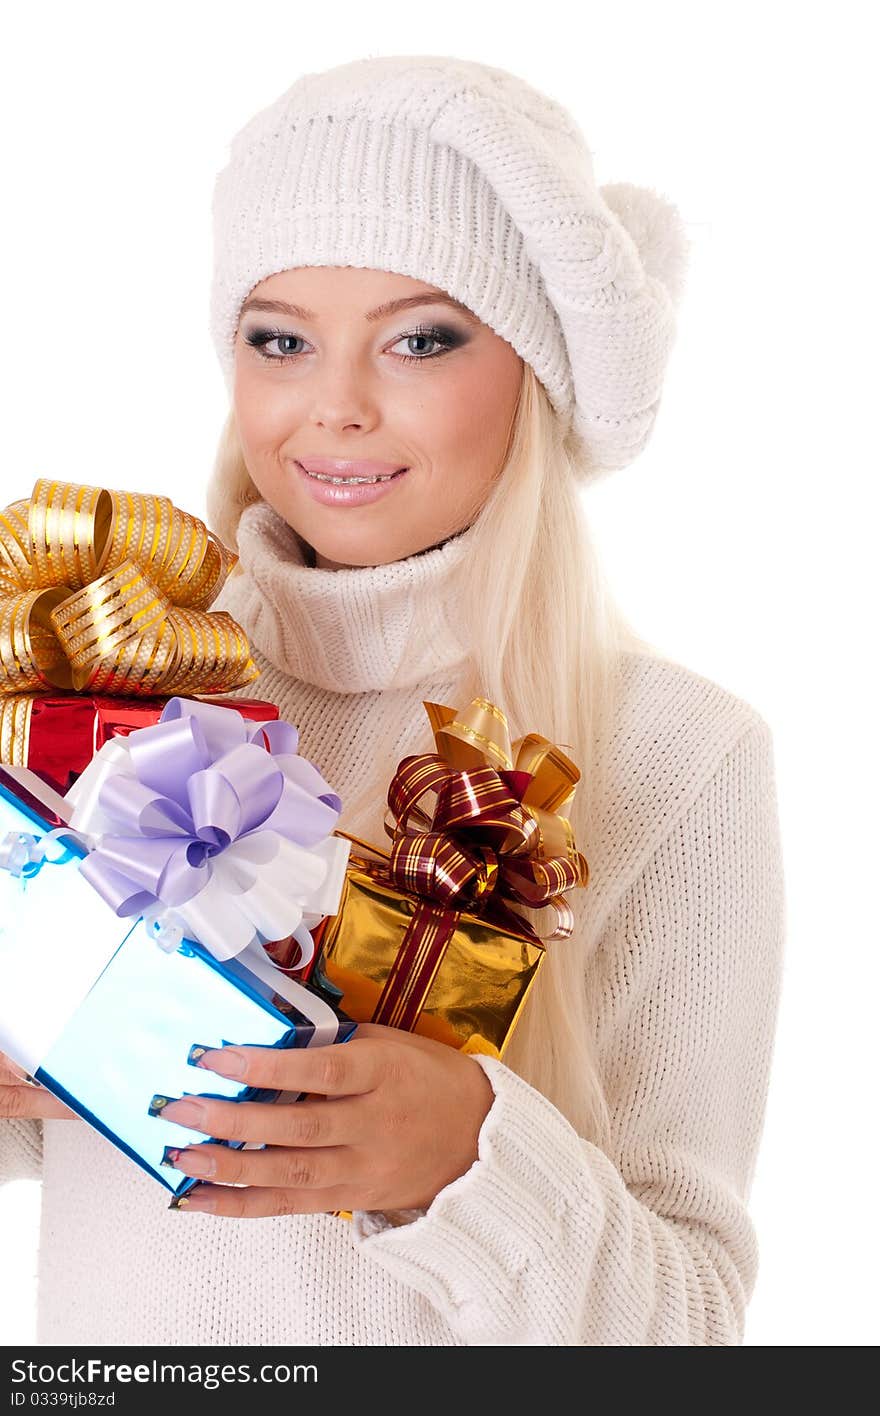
[107, 592]
[495, 832]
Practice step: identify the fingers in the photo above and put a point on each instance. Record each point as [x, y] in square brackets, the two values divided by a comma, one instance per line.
[260, 1203]
[35, 1103]
[281, 1167]
[299, 1123]
[10, 1072]
[339, 1069]
[21, 1096]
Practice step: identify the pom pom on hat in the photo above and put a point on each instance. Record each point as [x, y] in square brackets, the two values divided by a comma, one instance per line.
[656, 227]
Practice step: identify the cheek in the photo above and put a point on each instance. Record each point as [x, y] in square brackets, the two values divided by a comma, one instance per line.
[456, 419]
[461, 428]
[474, 425]
[264, 414]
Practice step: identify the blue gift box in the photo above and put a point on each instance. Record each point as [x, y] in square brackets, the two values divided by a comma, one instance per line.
[102, 1016]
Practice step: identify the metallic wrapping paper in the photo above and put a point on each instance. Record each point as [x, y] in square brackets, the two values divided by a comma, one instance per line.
[104, 602]
[56, 735]
[481, 982]
[109, 592]
[429, 936]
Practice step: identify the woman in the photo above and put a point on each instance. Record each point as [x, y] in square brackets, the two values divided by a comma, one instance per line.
[415, 278]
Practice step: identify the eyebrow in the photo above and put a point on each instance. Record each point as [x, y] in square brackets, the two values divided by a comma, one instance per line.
[391, 307]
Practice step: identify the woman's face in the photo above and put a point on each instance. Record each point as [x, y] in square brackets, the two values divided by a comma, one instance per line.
[363, 366]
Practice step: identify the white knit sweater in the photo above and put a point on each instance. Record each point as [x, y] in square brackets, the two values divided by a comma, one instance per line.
[546, 1240]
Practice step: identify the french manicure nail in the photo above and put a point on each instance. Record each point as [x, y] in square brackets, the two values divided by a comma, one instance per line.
[199, 1163]
[228, 1064]
[189, 1113]
[195, 1202]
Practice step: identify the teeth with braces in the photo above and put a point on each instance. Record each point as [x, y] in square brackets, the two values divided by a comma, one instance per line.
[350, 481]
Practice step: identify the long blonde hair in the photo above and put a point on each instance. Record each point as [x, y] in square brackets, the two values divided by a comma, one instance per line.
[546, 639]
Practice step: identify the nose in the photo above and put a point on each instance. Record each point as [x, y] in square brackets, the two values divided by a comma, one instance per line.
[341, 397]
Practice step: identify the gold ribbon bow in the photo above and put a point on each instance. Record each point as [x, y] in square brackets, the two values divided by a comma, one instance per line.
[496, 836]
[108, 592]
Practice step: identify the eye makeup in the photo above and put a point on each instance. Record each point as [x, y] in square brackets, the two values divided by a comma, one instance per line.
[445, 337]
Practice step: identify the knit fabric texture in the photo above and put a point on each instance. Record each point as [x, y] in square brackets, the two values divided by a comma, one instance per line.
[546, 1239]
[465, 176]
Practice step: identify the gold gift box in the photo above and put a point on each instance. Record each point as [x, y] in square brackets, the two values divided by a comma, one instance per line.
[428, 936]
[477, 992]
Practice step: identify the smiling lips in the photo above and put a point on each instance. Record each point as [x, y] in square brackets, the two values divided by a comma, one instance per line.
[348, 470]
[348, 483]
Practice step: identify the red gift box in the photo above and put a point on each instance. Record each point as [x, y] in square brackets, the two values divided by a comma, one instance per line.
[57, 735]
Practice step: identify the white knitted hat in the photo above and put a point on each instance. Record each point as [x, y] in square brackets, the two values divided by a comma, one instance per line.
[467, 177]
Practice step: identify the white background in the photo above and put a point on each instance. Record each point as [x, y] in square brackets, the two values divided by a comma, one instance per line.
[739, 541]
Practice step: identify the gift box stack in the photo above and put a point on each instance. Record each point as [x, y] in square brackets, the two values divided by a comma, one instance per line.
[214, 895]
[153, 839]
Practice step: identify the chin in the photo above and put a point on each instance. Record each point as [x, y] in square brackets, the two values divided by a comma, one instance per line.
[360, 561]
[356, 552]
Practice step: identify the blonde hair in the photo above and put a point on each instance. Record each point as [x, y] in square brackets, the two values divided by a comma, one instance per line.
[546, 640]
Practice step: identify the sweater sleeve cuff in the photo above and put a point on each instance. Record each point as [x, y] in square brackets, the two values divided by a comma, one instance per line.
[482, 1230]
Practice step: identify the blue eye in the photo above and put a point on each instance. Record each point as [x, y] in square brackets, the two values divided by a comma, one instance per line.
[445, 339]
[259, 339]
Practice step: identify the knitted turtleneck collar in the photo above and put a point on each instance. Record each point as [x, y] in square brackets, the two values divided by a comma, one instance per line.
[344, 630]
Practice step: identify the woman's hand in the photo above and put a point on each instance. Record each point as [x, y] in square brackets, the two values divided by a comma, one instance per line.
[19, 1097]
[395, 1119]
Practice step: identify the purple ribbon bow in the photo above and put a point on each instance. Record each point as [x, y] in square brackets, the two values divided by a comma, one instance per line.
[213, 817]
